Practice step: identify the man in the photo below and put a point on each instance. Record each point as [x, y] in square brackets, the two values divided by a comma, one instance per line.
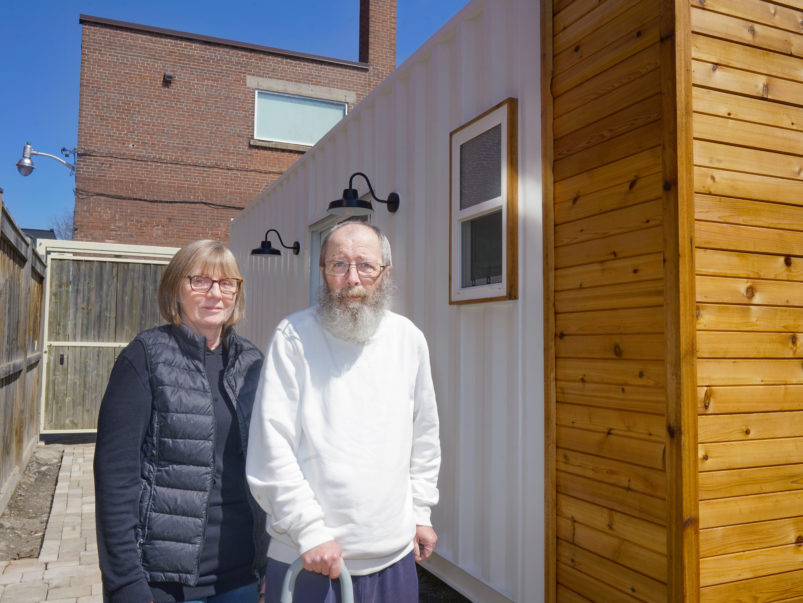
[344, 449]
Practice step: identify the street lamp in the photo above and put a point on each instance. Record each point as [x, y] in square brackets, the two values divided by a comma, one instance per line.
[25, 164]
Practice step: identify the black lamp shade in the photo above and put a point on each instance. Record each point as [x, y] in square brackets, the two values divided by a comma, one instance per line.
[265, 248]
[350, 205]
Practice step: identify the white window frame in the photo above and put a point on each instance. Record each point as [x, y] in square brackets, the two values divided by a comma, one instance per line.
[257, 92]
[505, 114]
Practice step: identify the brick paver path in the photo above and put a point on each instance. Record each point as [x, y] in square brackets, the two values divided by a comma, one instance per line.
[67, 567]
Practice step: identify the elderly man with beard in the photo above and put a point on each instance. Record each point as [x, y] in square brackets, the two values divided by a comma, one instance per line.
[344, 449]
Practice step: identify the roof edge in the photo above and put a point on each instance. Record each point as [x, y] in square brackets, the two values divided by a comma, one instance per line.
[89, 19]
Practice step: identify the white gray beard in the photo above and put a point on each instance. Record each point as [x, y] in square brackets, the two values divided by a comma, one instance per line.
[354, 321]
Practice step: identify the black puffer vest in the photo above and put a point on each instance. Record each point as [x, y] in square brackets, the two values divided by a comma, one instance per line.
[179, 448]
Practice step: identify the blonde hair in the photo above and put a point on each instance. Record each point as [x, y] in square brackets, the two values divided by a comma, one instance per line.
[210, 257]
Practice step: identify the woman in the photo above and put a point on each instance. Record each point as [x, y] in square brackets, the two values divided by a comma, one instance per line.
[175, 519]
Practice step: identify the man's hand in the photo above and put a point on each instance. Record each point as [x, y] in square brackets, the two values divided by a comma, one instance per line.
[424, 542]
[323, 559]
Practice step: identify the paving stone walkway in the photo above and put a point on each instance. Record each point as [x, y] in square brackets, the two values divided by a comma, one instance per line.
[67, 568]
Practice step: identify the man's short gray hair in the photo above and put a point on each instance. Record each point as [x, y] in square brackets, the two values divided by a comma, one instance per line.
[384, 244]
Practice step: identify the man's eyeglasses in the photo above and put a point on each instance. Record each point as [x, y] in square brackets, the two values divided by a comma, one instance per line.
[202, 284]
[366, 269]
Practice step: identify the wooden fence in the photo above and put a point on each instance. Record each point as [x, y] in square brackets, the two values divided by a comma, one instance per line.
[98, 298]
[22, 274]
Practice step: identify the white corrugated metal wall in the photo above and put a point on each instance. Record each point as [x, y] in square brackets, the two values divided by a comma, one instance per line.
[487, 358]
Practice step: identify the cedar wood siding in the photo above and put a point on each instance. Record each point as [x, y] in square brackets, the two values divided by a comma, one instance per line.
[677, 196]
[611, 395]
[747, 72]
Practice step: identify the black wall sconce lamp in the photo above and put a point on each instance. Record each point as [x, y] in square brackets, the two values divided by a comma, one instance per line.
[351, 205]
[265, 248]
[168, 78]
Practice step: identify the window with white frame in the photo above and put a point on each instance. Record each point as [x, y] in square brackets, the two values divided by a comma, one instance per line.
[293, 119]
[483, 190]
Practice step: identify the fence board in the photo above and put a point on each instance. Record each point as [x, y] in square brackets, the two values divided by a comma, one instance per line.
[92, 301]
[21, 279]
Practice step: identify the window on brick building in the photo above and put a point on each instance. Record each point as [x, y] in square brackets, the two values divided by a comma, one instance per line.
[292, 119]
[483, 247]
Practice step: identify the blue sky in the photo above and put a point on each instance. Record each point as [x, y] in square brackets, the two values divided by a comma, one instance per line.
[40, 54]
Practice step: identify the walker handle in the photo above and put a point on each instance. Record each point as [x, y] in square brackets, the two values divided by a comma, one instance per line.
[289, 584]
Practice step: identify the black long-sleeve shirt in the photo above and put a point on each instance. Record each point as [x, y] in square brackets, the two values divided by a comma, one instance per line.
[228, 550]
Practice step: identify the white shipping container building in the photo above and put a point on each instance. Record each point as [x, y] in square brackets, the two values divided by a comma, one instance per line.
[483, 318]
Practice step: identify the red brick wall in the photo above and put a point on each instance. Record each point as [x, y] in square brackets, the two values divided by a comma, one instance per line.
[164, 165]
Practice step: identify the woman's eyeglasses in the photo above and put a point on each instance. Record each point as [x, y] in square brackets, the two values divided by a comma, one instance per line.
[202, 284]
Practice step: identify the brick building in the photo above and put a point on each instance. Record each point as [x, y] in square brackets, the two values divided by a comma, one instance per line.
[177, 131]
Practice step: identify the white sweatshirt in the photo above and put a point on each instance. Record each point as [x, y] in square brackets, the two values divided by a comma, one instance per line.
[344, 441]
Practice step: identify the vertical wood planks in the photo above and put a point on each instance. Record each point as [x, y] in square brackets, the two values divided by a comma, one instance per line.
[21, 279]
[92, 301]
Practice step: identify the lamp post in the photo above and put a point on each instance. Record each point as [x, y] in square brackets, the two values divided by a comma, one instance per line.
[25, 165]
